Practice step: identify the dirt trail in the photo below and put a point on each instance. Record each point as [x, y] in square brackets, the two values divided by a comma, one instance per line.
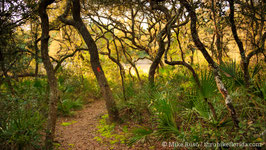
[79, 135]
[79, 131]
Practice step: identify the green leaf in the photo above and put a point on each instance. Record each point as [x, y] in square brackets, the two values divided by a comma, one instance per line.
[68, 123]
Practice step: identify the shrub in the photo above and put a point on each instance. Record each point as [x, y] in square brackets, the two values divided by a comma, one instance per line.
[67, 106]
[20, 125]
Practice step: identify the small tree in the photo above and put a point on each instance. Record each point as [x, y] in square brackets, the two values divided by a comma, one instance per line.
[79, 25]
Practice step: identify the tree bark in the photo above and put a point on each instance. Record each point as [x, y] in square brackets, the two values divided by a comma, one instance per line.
[36, 54]
[94, 58]
[218, 31]
[117, 62]
[52, 80]
[165, 31]
[201, 47]
[161, 50]
[155, 63]
[244, 61]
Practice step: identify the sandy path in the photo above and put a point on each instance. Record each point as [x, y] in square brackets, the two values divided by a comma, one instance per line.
[79, 135]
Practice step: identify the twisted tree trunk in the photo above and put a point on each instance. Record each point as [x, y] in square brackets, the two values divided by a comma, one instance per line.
[201, 47]
[52, 80]
[244, 61]
[161, 50]
[94, 57]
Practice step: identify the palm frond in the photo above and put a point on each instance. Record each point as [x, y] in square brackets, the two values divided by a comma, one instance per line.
[139, 134]
[208, 85]
[232, 71]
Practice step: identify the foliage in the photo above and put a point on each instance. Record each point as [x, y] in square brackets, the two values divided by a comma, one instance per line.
[137, 101]
[107, 133]
[67, 106]
[165, 112]
[170, 114]
[232, 73]
[75, 91]
[139, 134]
[23, 130]
[207, 84]
[68, 123]
[21, 122]
[174, 108]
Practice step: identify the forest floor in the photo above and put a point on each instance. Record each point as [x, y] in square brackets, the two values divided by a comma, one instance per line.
[82, 129]
[78, 132]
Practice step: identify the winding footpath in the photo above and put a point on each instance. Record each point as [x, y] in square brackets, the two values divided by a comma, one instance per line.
[82, 129]
[78, 132]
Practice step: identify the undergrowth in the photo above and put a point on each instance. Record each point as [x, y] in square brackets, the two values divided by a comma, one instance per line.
[108, 136]
[23, 113]
[175, 109]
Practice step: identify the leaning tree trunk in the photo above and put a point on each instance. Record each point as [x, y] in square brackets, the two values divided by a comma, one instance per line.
[201, 47]
[94, 58]
[54, 94]
[155, 64]
[158, 57]
[244, 61]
